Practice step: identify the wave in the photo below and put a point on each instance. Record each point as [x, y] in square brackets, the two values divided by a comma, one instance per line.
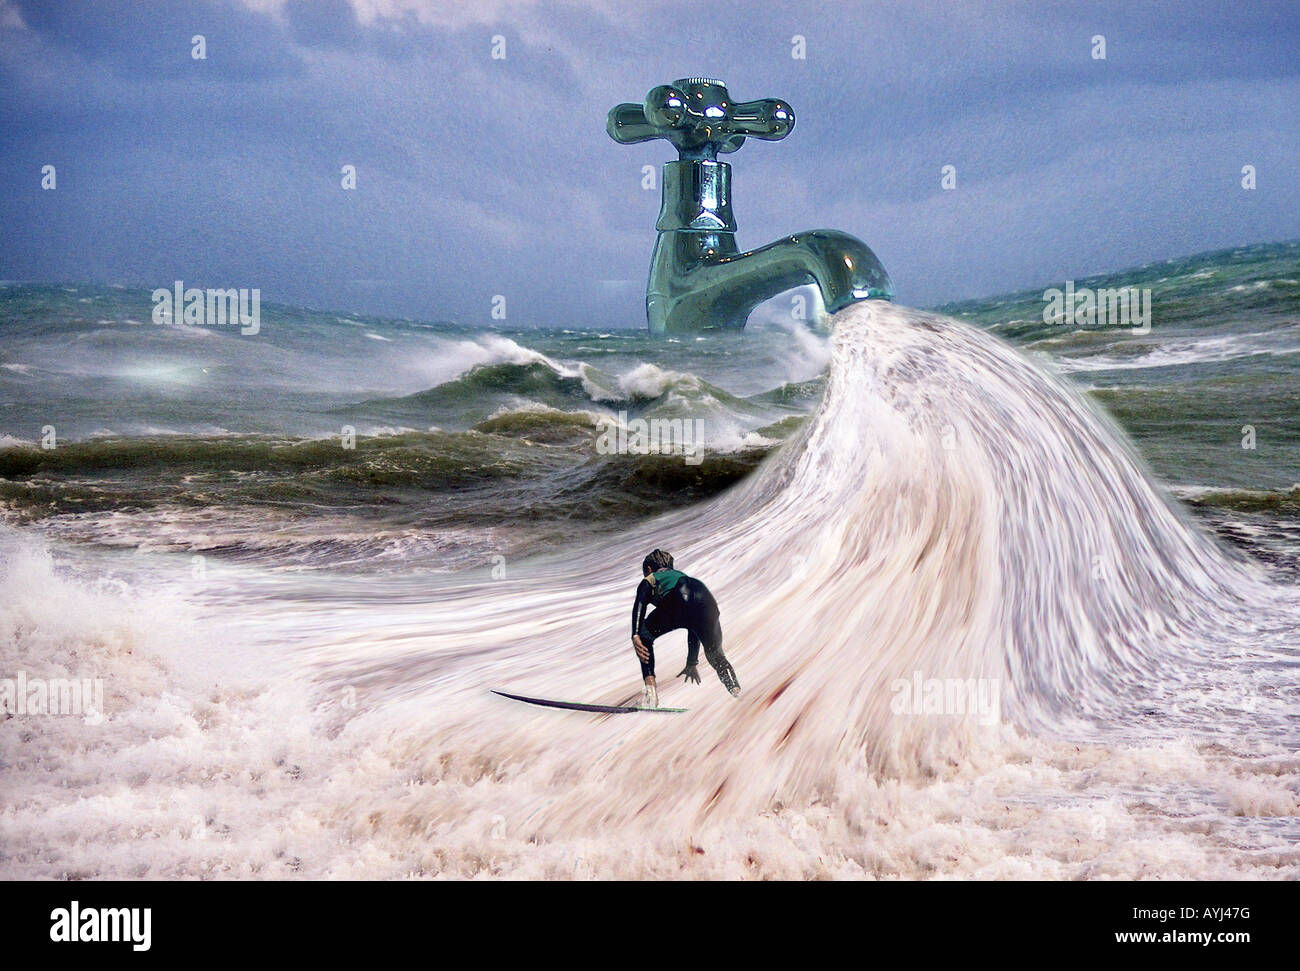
[1284, 501]
[1180, 353]
[644, 391]
[950, 514]
[407, 500]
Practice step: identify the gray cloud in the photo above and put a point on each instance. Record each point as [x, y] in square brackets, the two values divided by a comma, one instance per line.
[479, 176]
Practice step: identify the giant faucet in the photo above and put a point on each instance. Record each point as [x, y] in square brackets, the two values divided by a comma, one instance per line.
[699, 279]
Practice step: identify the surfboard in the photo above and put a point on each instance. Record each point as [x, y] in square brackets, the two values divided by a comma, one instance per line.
[578, 706]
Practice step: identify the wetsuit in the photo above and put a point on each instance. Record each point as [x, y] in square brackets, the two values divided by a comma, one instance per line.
[681, 602]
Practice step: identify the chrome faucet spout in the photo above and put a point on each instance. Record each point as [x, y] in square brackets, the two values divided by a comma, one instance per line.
[699, 283]
[699, 279]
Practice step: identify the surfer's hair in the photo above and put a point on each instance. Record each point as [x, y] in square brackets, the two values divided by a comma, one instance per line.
[656, 561]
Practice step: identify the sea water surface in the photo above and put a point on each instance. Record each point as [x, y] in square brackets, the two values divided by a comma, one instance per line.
[296, 638]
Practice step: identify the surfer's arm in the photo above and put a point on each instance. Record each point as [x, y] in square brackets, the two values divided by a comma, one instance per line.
[639, 607]
[692, 658]
[692, 649]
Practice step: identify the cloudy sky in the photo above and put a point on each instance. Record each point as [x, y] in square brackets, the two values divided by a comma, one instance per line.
[479, 176]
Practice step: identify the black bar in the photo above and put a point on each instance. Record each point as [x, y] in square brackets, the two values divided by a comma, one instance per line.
[570, 920]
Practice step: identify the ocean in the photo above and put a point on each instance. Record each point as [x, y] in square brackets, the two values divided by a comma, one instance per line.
[1008, 598]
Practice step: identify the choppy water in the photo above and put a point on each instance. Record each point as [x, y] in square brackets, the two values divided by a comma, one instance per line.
[941, 507]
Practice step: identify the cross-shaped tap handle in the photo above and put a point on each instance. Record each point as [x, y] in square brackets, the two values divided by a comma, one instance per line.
[698, 116]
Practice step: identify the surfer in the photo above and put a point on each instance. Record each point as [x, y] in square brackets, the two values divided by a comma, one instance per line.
[680, 602]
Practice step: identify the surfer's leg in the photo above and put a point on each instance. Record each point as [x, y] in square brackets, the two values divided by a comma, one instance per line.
[648, 665]
[659, 622]
[651, 627]
[712, 641]
[700, 615]
[649, 693]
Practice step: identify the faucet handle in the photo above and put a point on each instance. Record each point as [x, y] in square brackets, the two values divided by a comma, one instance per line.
[699, 118]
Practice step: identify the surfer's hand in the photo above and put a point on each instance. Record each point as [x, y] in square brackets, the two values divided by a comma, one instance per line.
[642, 651]
[691, 672]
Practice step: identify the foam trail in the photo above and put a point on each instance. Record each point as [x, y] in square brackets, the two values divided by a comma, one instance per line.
[950, 512]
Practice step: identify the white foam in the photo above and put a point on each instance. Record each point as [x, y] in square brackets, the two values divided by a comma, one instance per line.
[950, 510]
[1180, 352]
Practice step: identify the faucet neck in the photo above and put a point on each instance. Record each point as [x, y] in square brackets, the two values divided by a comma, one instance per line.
[697, 197]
